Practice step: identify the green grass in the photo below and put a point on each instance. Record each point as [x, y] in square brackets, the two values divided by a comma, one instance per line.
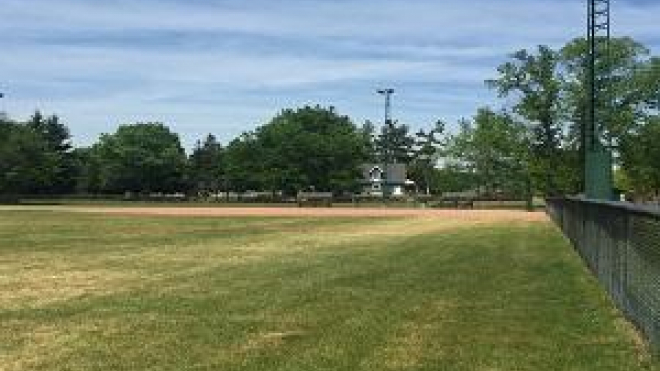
[95, 292]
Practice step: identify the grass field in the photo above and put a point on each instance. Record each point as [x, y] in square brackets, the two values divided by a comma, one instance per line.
[116, 292]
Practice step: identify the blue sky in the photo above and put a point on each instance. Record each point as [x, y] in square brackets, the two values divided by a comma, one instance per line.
[225, 66]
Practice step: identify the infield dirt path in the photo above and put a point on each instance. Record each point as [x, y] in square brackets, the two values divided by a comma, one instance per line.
[468, 215]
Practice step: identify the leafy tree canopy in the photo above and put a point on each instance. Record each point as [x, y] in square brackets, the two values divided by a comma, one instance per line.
[144, 157]
[26, 163]
[306, 148]
[394, 144]
[641, 158]
[207, 165]
[495, 148]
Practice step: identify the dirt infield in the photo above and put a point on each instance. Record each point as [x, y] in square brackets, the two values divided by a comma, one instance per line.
[471, 215]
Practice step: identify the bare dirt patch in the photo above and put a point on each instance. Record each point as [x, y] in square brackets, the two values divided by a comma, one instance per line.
[467, 215]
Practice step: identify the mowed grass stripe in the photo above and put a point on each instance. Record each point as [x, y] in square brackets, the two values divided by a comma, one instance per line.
[109, 261]
[307, 294]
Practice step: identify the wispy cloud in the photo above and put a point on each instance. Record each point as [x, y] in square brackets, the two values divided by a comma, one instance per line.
[224, 66]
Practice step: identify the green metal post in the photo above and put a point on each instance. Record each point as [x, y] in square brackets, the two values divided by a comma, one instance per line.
[598, 181]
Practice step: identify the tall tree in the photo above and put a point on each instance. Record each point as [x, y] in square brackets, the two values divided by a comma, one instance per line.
[453, 176]
[368, 131]
[26, 163]
[144, 157]
[394, 144]
[426, 154]
[535, 81]
[55, 133]
[244, 164]
[311, 147]
[632, 77]
[207, 165]
[629, 92]
[62, 171]
[496, 150]
[88, 174]
[640, 157]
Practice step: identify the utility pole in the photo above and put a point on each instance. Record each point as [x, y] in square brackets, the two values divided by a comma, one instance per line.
[388, 103]
[3, 114]
[598, 182]
[387, 150]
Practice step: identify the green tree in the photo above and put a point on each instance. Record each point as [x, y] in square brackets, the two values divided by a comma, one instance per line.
[88, 173]
[145, 157]
[630, 86]
[640, 157]
[628, 103]
[368, 131]
[496, 150]
[648, 79]
[207, 166]
[427, 151]
[453, 176]
[244, 163]
[26, 162]
[535, 81]
[55, 133]
[311, 147]
[59, 177]
[394, 144]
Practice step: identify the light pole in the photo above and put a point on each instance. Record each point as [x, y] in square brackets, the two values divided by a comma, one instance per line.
[388, 103]
[3, 114]
[597, 157]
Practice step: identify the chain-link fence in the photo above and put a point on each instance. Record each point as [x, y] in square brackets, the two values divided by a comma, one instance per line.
[620, 244]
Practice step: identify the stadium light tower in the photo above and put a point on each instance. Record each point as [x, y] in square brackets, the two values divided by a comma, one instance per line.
[597, 157]
[388, 103]
[3, 114]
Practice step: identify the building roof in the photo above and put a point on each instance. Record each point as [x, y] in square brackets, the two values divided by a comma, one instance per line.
[394, 173]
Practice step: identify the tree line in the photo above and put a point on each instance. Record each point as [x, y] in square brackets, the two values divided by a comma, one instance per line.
[531, 145]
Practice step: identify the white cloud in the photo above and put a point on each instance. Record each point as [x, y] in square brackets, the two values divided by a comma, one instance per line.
[228, 64]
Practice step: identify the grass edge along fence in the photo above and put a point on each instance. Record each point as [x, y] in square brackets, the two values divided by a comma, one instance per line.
[620, 243]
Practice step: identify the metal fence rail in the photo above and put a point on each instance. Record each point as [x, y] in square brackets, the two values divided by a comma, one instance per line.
[620, 243]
